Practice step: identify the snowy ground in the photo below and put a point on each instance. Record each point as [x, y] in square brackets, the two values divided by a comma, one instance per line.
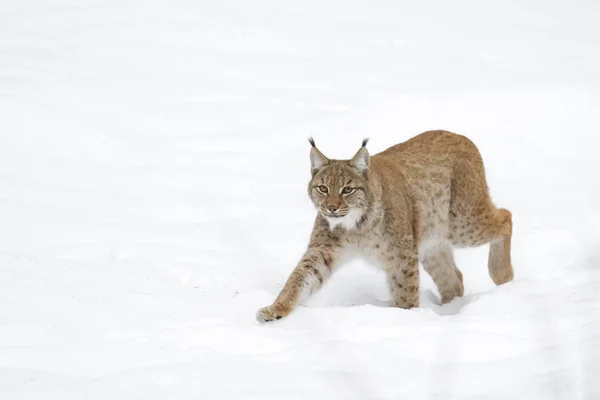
[153, 163]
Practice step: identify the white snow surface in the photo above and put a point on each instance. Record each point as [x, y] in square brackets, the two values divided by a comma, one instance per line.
[153, 171]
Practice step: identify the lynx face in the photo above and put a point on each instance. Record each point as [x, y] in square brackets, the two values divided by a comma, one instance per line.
[339, 188]
[339, 193]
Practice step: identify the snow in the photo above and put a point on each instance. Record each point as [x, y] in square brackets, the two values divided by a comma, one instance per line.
[153, 171]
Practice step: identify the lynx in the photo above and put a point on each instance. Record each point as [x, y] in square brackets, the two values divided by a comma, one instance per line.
[411, 203]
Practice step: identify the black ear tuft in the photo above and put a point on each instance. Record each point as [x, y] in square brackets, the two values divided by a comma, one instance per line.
[365, 141]
[311, 141]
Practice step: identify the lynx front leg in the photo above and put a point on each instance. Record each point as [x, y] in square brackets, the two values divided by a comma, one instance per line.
[403, 279]
[310, 274]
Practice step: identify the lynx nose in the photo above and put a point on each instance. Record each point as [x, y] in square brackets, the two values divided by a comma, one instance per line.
[332, 208]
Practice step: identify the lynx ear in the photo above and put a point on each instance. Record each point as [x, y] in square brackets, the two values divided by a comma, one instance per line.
[361, 159]
[317, 159]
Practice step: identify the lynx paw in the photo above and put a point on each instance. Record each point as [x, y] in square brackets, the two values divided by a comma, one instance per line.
[267, 314]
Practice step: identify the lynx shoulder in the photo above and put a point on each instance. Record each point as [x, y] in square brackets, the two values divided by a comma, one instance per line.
[411, 203]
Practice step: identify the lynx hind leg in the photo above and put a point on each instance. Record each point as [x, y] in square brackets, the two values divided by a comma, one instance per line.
[492, 225]
[499, 264]
[403, 279]
[438, 260]
[474, 220]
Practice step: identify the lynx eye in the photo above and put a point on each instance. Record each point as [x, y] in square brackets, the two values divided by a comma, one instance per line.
[347, 190]
[322, 188]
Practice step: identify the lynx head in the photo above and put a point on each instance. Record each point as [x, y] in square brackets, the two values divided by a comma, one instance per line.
[339, 188]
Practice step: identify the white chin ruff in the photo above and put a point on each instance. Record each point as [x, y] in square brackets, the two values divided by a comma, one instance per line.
[348, 221]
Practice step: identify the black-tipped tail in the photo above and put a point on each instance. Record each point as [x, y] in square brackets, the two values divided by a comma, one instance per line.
[365, 141]
[311, 141]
